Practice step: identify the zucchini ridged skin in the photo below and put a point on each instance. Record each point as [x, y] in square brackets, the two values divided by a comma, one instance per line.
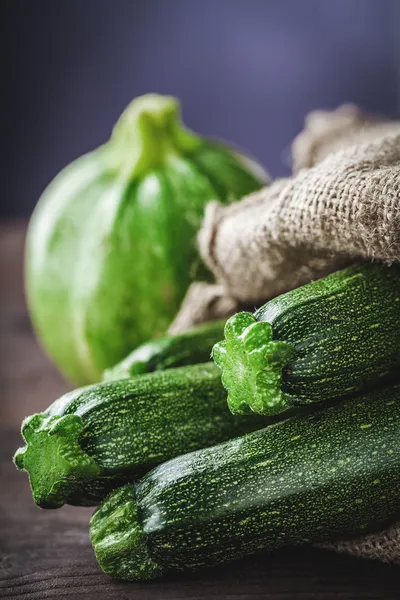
[189, 348]
[328, 339]
[111, 246]
[314, 478]
[102, 436]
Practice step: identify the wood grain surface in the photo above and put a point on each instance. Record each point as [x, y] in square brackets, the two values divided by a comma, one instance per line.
[47, 554]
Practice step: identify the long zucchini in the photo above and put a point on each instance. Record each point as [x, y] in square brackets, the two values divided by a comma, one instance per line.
[99, 437]
[333, 473]
[331, 338]
[189, 348]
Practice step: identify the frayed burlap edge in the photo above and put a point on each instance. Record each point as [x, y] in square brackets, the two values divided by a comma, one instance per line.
[383, 546]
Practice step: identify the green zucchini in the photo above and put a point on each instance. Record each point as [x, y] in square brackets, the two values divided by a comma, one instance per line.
[330, 338]
[99, 437]
[189, 348]
[111, 246]
[314, 478]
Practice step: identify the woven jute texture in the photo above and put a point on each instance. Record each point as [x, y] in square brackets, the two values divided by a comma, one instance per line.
[383, 546]
[341, 205]
[214, 303]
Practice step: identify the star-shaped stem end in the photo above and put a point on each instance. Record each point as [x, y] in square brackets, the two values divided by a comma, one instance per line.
[53, 458]
[252, 363]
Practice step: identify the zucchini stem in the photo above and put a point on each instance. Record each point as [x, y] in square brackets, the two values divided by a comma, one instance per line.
[53, 458]
[252, 364]
[148, 131]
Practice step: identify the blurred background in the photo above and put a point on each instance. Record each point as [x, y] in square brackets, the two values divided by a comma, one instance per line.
[245, 70]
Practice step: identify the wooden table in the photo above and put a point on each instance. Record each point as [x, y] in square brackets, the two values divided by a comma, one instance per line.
[47, 554]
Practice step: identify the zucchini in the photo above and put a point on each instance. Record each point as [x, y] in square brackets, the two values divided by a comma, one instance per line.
[99, 437]
[318, 477]
[189, 348]
[330, 338]
[111, 246]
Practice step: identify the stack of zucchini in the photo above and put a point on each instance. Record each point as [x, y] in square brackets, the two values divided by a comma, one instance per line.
[307, 452]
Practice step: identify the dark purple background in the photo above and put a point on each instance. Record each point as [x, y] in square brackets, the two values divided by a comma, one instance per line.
[245, 70]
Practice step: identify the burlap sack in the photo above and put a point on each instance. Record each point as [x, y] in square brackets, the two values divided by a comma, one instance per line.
[329, 213]
[342, 204]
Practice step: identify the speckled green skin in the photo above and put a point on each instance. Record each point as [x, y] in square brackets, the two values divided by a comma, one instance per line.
[189, 348]
[111, 246]
[319, 477]
[96, 438]
[331, 338]
[115, 529]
